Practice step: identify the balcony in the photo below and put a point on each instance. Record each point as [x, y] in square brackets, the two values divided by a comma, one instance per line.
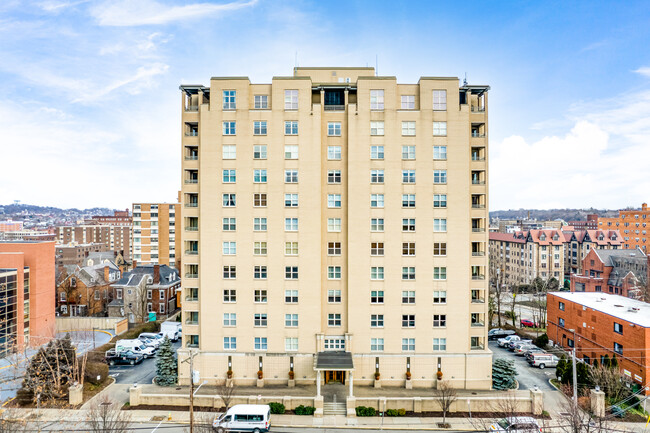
[478, 325]
[478, 229]
[477, 157]
[476, 134]
[191, 181]
[478, 253]
[191, 344]
[191, 322]
[191, 229]
[478, 300]
[478, 277]
[478, 182]
[334, 107]
[477, 109]
[478, 206]
[191, 157]
[191, 205]
[192, 108]
[192, 133]
[191, 252]
[477, 346]
[188, 275]
[192, 298]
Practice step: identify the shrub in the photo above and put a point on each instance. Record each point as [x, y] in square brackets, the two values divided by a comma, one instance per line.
[94, 369]
[277, 408]
[365, 411]
[401, 412]
[304, 410]
[541, 341]
[395, 412]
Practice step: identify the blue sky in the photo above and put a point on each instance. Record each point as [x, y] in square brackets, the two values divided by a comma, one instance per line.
[90, 107]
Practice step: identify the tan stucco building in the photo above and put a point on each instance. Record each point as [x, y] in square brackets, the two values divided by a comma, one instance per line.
[340, 223]
[154, 234]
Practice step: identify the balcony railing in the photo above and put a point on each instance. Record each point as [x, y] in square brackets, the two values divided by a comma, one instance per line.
[191, 229]
[194, 181]
[477, 347]
[478, 301]
[192, 322]
[478, 135]
[191, 205]
[191, 252]
[189, 344]
[478, 182]
[478, 253]
[478, 229]
[192, 158]
[478, 109]
[188, 275]
[478, 158]
[334, 107]
[477, 324]
[478, 277]
[478, 206]
[192, 108]
[192, 298]
[192, 134]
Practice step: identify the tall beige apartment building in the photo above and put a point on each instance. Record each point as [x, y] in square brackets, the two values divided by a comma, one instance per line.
[340, 223]
[154, 234]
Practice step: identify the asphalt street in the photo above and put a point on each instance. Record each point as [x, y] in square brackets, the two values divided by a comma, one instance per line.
[142, 373]
[527, 376]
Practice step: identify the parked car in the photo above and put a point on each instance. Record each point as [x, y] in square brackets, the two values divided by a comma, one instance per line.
[125, 357]
[150, 342]
[521, 349]
[158, 336]
[525, 323]
[503, 342]
[543, 360]
[517, 424]
[513, 345]
[532, 350]
[136, 346]
[496, 333]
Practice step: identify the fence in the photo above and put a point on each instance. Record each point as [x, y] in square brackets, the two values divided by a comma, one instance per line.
[67, 324]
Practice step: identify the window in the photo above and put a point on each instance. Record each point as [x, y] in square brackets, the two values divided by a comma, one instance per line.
[334, 319]
[290, 99]
[440, 100]
[259, 224]
[229, 100]
[229, 200]
[229, 295]
[229, 128]
[376, 320]
[260, 319]
[334, 248]
[333, 153]
[291, 344]
[439, 320]
[408, 200]
[377, 273]
[376, 248]
[229, 176]
[290, 152]
[376, 99]
[291, 320]
[291, 200]
[439, 224]
[229, 272]
[408, 102]
[291, 176]
[333, 201]
[261, 102]
[439, 296]
[260, 343]
[408, 273]
[334, 296]
[259, 272]
[408, 128]
[439, 176]
[333, 224]
[229, 248]
[291, 127]
[377, 200]
[291, 248]
[408, 176]
[439, 344]
[376, 344]
[333, 176]
[376, 224]
[408, 344]
[229, 319]
[439, 248]
[561, 306]
[408, 320]
[439, 128]
[408, 152]
[334, 129]
[259, 151]
[561, 322]
[376, 128]
[439, 273]
[408, 248]
[259, 200]
[376, 152]
[618, 328]
[259, 127]
[229, 151]
[291, 224]
[259, 248]
[408, 296]
[229, 343]
[291, 272]
[333, 272]
[618, 348]
[291, 296]
[408, 224]
[259, 176]
[440, 152]
[260, 296]
[377, 297]
[229, 224]
[440, 200]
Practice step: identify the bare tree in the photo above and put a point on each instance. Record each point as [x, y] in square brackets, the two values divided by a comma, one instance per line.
[203, 423]
[611, 382]
[226, 393]
[577, 419]
[497, 292]
[445, 395]
[513, 314]
[106, 416]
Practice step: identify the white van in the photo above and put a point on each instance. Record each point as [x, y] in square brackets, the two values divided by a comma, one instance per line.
[503, 342]
[244, 417]
[171, 329]
[136, 346]
[543, 360]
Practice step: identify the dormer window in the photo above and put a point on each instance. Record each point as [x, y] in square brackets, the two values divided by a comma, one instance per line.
[555, 237]
[542, 238]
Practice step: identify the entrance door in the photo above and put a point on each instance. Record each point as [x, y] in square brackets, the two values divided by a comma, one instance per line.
[335, 376]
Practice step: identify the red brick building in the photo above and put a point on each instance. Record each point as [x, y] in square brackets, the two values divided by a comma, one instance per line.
[599, 324]
[590, 224]
[634, 225]
[618, 272]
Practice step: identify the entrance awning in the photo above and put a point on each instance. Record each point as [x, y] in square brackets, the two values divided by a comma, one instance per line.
[338, 361]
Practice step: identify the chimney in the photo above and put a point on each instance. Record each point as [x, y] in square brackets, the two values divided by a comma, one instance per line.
[156, 274]
[135, 264]
[106, 272]
[644, 206]
[86, 254]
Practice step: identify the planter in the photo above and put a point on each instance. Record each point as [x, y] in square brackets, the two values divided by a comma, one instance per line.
[260, 383]
[377, 383]
[292, 383]
[230, 383]
[408, 384]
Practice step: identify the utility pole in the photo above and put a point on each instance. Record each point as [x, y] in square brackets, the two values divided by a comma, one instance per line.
[94, 337]
[575, 374]
[191, 361]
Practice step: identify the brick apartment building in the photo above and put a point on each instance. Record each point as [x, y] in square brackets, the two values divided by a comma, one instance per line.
[154, 234]
[590, 224]
[117, 238]
[600, 324]
[580, 242]
[10, 226]
[633, 225]
[26, 294]
[75, 254]
[119, 218]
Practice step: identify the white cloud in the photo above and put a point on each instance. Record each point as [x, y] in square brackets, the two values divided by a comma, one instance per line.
[644, 70]
[151, 12]
[142, 77]
[58, 6]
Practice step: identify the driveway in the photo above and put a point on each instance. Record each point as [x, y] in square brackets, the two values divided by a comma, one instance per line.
[142, 373]
[527, 376]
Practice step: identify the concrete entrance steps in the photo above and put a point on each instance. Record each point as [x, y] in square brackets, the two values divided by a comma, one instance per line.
[334, 409]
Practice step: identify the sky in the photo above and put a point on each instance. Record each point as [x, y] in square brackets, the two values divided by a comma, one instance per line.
[90, 105]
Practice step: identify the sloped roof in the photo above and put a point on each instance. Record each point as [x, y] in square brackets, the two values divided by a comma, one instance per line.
[168, 276]
[505, 237]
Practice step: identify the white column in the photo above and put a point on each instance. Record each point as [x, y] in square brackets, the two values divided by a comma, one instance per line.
[350, 379]
[318, 383]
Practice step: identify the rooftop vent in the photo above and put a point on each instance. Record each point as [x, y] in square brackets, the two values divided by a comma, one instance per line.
[633, 310]
[617, 305]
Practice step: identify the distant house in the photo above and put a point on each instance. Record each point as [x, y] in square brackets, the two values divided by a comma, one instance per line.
[86, 291]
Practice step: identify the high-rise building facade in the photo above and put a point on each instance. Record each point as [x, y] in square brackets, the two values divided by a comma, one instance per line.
[634, 225]
[154, 234]
[334, 224]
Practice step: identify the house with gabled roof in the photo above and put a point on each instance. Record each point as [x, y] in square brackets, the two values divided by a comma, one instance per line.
[85, 290]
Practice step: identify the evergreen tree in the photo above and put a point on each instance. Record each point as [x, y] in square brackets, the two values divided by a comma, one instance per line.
[166, 365]
[614, 363]
[503, 374]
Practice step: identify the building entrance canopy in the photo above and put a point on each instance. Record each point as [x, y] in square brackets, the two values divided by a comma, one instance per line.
[338, 361]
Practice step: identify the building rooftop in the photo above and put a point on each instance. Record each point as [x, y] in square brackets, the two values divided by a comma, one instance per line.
[505, 237]
[627, 309]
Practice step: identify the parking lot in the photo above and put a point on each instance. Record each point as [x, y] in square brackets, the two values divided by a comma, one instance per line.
[139, 373]
[527, 376]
